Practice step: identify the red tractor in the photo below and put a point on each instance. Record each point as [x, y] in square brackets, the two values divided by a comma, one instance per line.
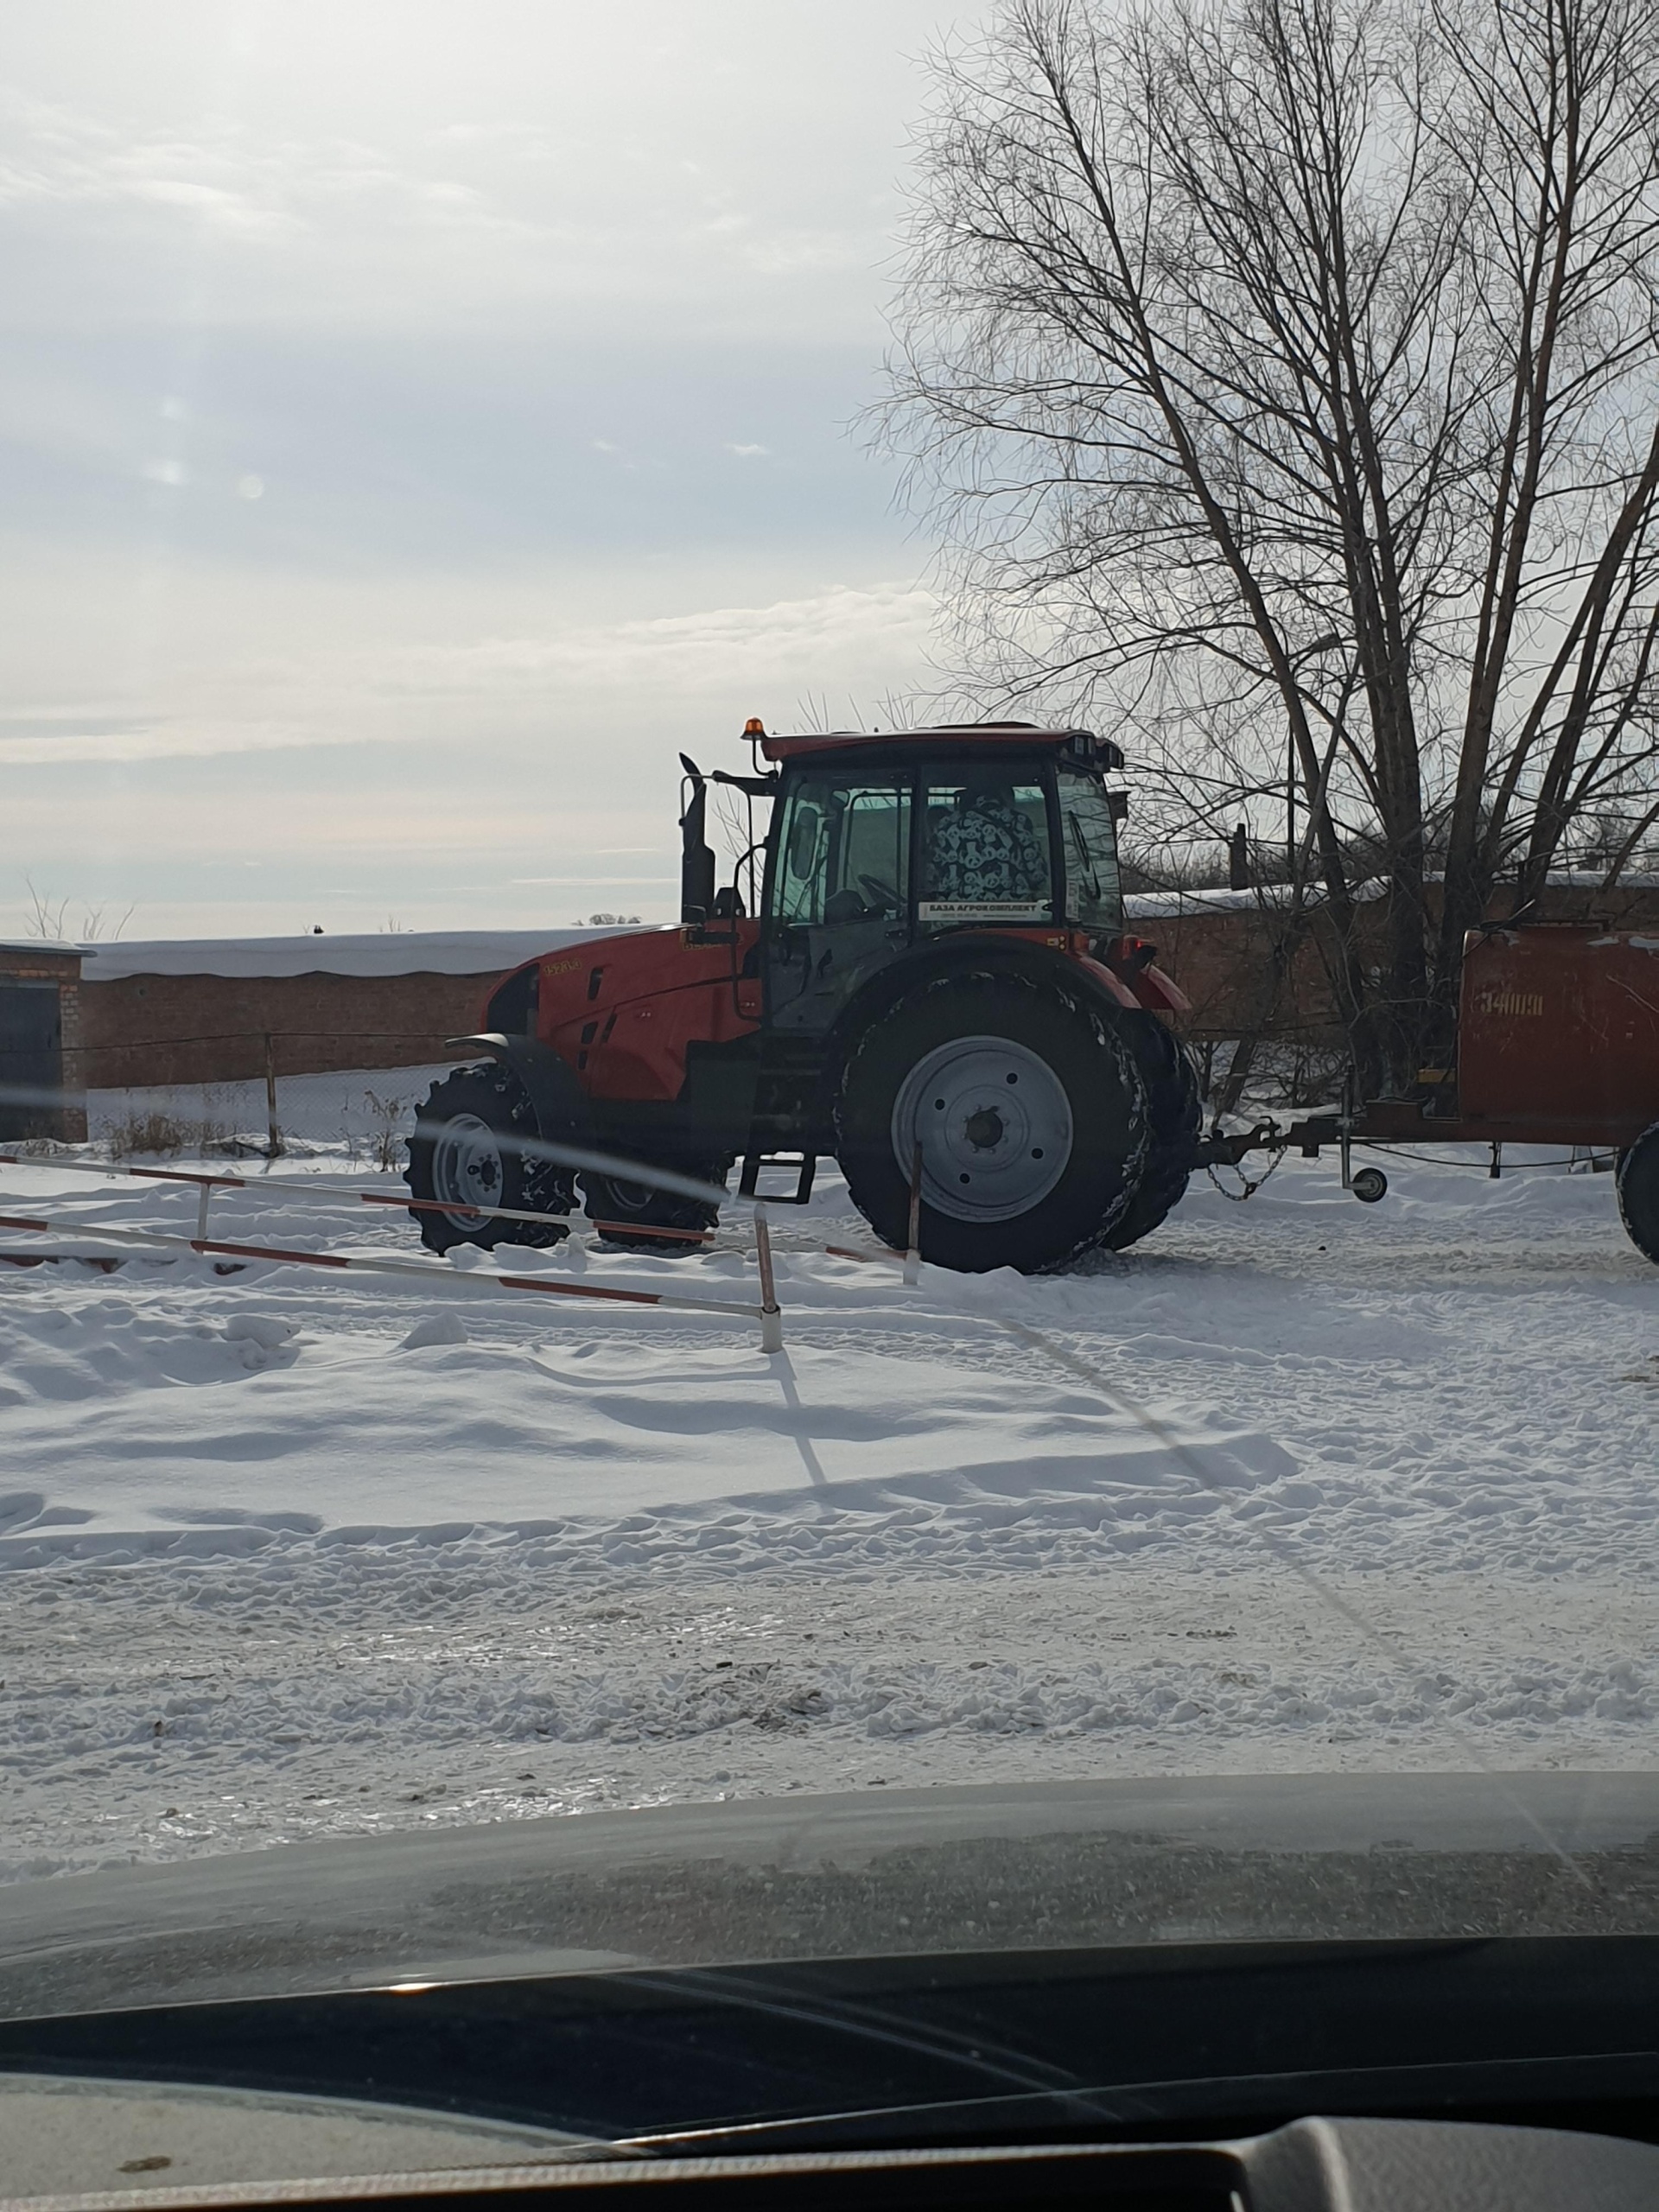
[929, 980]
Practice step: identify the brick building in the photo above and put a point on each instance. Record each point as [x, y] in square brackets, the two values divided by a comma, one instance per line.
[225, 1010]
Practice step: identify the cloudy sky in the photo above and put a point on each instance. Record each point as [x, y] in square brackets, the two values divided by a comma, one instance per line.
[418, 421]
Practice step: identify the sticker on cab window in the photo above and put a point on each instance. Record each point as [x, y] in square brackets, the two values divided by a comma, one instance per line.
[984, 910]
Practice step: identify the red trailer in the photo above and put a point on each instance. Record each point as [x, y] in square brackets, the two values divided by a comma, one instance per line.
[1557, 1043]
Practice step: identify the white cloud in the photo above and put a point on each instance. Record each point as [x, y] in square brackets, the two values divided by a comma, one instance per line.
[879, 631]
[175, 741]
[491, 694]
[737, 164]
[748, 452]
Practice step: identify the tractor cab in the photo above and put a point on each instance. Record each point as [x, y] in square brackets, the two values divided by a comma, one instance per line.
[878, 845]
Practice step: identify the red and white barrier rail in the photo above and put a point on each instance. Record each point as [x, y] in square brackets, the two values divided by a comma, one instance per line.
[313, 1186]
[433, 1273]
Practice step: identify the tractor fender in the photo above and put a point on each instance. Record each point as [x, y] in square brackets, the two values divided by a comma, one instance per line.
[1162, 992]
[1088, 979]
[549, 1082]
[1148, 987]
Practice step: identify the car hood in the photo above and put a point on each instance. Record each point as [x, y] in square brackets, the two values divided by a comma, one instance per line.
[1260, 1858]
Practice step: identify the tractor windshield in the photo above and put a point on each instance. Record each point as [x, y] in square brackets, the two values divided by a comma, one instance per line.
[985, 853]
[1094, 896]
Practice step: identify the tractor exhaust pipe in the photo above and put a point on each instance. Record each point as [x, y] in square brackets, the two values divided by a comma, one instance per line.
[696, 856]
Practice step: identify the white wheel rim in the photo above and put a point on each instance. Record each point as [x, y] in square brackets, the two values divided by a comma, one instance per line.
[995, 1125]
[467, 1170]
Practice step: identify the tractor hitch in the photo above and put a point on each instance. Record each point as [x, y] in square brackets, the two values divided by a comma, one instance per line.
[1226, 1149]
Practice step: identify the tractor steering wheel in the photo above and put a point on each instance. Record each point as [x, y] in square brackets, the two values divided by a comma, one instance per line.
[880, 897]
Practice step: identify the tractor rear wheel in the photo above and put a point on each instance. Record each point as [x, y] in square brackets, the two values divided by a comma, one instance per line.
[1639, 1192]
[1175, 1110]
[614, 1205]
[1030, 1114]
[474, 1146]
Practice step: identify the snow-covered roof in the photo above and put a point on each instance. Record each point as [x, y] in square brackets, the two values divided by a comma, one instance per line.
[386, 952]
[1148, 905]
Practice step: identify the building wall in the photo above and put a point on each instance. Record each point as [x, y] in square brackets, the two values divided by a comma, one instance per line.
[165, 1029]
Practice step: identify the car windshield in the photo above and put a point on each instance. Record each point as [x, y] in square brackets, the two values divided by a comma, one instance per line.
[830, 1036]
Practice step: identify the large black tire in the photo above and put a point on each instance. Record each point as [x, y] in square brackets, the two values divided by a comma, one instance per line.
[1639, 1192]
[615, 1203]
[1175, 1110]
[1030, 1113]
[475, 1138]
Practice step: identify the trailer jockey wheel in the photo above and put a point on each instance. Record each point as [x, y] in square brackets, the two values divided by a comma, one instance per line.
[474, 1146]
[1369, 1185]
[1027, 1106]
[1639, 1192]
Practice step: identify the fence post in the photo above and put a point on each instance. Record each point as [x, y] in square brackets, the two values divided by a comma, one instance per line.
[772, 1316]
[273, 1135]
[913, 1235]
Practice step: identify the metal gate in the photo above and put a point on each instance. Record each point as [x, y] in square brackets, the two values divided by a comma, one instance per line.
[31, 1059]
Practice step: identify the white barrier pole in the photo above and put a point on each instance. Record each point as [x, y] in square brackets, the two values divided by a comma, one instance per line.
[912, 1249]
[769, 1313]
[771, 1316]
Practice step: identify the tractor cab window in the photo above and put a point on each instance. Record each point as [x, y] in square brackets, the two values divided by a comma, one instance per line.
[845, 852]
[985, 850]
[1089, 840]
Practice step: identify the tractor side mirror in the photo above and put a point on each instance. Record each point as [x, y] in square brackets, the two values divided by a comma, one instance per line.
[696, 857]
[1117, 804]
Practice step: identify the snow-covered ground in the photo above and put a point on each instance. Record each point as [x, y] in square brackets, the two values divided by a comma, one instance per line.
[1296, 1483]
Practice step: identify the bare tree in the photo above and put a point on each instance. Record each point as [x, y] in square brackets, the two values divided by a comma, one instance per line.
[1284, 375]
[48, 919]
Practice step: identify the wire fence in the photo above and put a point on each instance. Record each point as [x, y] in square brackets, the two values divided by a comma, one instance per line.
[349, 1095]
[358, 1117]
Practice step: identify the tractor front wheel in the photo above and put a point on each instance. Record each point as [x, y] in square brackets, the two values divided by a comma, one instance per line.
[1639, 1192]
[1027, 1111]
[474, 1146]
